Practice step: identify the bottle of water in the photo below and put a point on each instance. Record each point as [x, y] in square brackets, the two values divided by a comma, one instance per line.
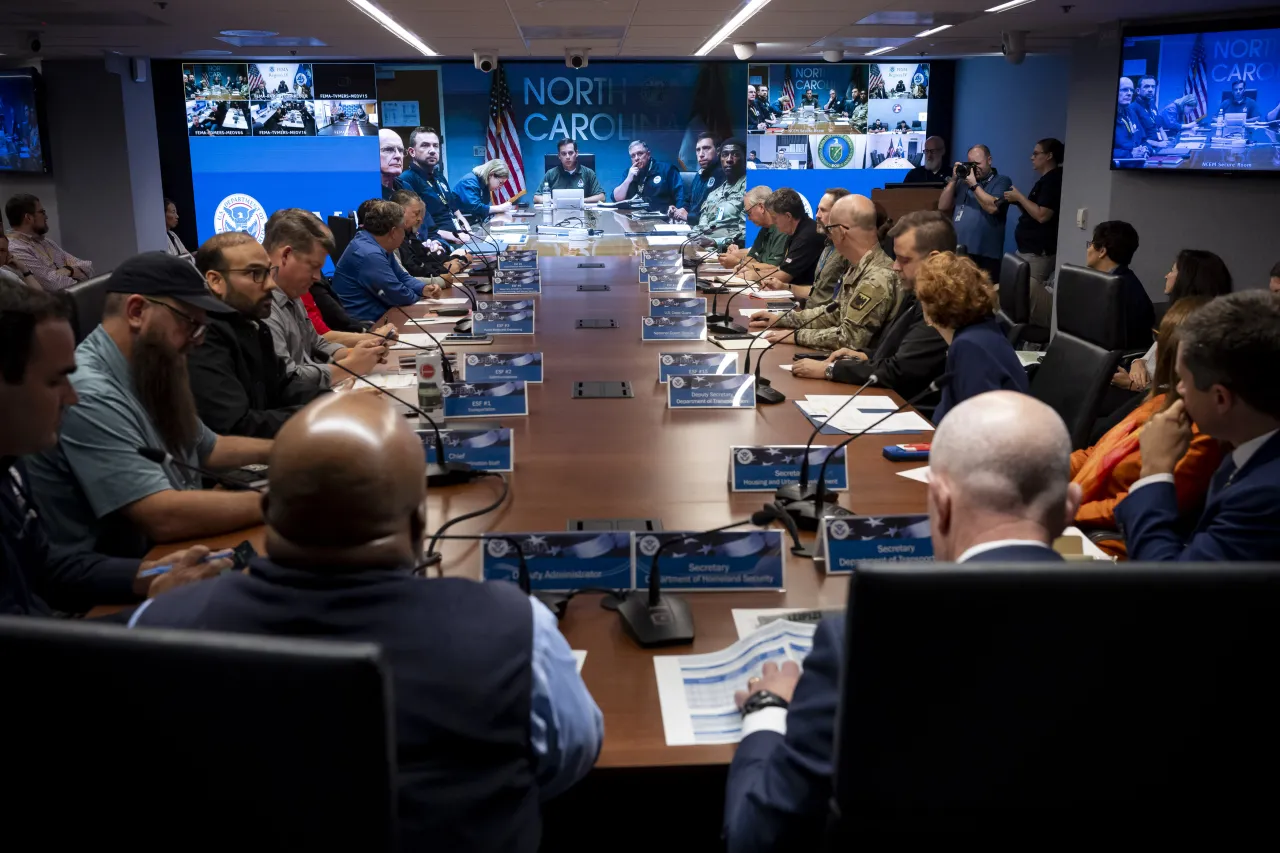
[1221, 122]
[427, 365]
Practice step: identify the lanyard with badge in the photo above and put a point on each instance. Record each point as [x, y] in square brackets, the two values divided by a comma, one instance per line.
[982, 184]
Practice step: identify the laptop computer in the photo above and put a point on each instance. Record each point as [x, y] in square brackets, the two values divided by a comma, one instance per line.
[567, 198]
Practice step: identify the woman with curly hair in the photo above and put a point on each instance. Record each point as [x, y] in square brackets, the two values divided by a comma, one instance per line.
[958, 300]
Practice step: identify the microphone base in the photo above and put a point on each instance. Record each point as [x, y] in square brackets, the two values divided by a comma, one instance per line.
[720, 328]
[450, 474]
[769, 396]
[794, 492]
[809, 517]
[670, 623]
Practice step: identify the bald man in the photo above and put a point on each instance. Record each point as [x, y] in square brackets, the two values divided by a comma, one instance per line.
[868, 295]
[999, 491]
[933, 165]
[491, 715]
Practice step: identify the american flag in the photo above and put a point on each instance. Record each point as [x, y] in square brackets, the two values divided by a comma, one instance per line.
[255, 79]
[503, 139]
[875, 84]
[789, 87]
[1197, 83]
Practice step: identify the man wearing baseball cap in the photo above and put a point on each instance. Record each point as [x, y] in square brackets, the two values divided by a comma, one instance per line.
[93, 489]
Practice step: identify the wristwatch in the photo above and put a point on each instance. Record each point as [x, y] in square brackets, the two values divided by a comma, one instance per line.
[829, 373]
[762, 699]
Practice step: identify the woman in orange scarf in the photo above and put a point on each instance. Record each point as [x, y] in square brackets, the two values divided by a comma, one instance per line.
[1107, 470]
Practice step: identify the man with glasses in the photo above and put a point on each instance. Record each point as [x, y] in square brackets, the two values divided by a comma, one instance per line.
[241, 386]
[933, 168]
[391, 160]
[1037, 230]
[766, 250]
[93, 489]
[40, 256]
[298, 243]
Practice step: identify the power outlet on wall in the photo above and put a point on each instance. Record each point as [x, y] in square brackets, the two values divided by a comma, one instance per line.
[477, 151]
[1082, 218]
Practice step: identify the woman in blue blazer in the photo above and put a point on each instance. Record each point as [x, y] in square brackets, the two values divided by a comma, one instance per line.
[473, 195]
[958, 300]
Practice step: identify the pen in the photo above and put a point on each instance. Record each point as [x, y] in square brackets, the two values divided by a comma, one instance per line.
[167, 567]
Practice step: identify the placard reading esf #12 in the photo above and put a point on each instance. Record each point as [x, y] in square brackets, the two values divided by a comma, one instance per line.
[560, 561]
[728, 559]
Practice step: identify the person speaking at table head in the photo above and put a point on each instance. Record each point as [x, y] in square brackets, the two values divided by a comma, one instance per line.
[134, 391]
[391, 158]
[491, 715]
[569, 175]
[999, 491]
[473, 195]
[958, 300]
[657, 183]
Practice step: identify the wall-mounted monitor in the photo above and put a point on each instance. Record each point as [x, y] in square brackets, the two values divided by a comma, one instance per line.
[23, 140]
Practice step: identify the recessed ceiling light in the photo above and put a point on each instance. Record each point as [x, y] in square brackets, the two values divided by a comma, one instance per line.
[206, 53]
[736, 21]
[879, 50]
[393, 26]
[933, 31]
[249, 33]
[1012, 4]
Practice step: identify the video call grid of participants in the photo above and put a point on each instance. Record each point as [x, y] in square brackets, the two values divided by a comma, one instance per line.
[838, 116]
[280, 99]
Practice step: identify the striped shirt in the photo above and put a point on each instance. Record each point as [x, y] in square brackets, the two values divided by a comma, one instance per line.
[45, 260]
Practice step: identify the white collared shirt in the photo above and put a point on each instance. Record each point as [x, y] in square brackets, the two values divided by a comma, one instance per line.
[984, 547]
[1240, 456]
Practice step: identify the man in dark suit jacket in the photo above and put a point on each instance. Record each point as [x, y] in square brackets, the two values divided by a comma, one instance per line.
[780, 779]
[1227, 355]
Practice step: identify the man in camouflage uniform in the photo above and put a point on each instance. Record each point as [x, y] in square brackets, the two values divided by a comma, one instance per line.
[831, 265]
[723, 216]
[868, 295]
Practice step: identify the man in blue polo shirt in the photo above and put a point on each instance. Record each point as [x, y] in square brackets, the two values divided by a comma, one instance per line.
[980, 209]
[657, 183]
[367, 279]
[710, 175]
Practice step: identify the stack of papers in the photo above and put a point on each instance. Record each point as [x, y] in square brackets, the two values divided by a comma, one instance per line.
[445, 302]
[861, 414]
[414, 340]
[662, 239]
[675, 228]
[696, 691]
[772, 294]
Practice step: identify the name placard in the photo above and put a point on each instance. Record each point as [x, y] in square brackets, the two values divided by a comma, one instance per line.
[728, 560]
[766, 468]
[484, 399]
[517, 282]
[518, 259]
[660, 306]
[562, 562]
[712, 392]
[673, 328]
[691, 363]
[674, 282]
[502, 366]
[503, 318]
[666, 260]
[846, 542]
[482, 449]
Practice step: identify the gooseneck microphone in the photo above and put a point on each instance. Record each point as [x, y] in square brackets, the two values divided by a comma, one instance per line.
[765, 394]
[446, 369]
[809, 513]
[801, 491]
[555, 602]
[160, 457]
[653, 619]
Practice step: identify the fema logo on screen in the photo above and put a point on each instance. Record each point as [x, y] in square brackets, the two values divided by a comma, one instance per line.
[838, 529]
[648, 545]
[240, 212]
[835, 152]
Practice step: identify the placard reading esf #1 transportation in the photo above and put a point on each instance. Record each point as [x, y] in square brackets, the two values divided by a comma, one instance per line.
[690, 363]
[562, 562]
[764, 469]
[502, 366]
[517, 282]
[503, 318]
[676, 307]
[482, 449]
[669, 282]
[484, 399]
[673, 328]
[846, 542]
[712, 392]
[731, 560]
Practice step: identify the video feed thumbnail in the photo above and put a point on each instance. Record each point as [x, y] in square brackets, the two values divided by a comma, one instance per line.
[895, 150]
[346, 118]
[221, 82]
[218, 118]
[344, 82]
[284, 116]
[269, 80]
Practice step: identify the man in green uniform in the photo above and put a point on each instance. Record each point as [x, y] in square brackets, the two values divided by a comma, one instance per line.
[568, 175]
[722, 217]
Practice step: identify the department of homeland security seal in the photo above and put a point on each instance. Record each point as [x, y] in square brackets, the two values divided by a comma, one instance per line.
[240, 212]
[835, 152]
[648, 545]
[498, 548]
[839, 529]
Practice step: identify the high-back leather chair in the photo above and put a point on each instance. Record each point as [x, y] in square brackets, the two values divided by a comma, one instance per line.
[87, 300]
[1072, 379]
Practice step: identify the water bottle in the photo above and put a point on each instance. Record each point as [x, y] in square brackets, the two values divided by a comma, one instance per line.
[1221, 122]
[427, 365]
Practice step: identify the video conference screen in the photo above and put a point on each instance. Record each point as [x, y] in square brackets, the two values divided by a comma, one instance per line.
[22, 149]
[1207, 101]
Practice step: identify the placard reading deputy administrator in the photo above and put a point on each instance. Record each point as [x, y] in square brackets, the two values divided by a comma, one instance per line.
[562, 562]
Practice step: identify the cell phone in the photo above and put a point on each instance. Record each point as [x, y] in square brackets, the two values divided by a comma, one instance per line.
[453, 312]
[240, 556]
[817, 356]
[732, 337]
[474, 340]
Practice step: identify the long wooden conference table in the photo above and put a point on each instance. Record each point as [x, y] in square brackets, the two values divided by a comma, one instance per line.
[635, 458]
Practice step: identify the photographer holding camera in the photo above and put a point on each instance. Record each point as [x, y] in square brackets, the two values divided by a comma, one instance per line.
[976, 194]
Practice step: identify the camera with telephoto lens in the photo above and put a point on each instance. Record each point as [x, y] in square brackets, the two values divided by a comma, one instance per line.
[963, 170]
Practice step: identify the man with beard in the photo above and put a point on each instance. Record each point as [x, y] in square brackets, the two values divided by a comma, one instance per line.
[240, 384]
[425, 177]
[756, 115]
[722, 218]
[38, 255]
[710, 175]
[93, 488]
[1157, 122]
[391, 160]
[1128, 142]
[933, 168]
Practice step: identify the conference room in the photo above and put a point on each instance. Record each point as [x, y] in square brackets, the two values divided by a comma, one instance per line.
[903, 469]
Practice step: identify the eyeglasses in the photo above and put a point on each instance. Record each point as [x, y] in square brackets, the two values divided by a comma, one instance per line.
[258, 274]
[1088, 244]
[197, 328]
[832, 226]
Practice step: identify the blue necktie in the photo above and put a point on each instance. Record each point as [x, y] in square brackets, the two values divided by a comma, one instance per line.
[1221, 478]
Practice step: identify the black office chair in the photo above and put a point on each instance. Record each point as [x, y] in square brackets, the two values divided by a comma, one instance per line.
[344, 231]
[1248, 93]
[1015, 302]
[1046, 704]
[197, 741]
[87, 300]
[1091, 306]
[1071, 379]
[550, 161]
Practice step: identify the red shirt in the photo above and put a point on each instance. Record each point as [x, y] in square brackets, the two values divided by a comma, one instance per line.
[317, 319]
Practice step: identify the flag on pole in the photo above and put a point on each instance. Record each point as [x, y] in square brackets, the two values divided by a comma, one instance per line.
[789, 87]
[256, 83]
[875, 83]
[502, 142]
[1197, 83]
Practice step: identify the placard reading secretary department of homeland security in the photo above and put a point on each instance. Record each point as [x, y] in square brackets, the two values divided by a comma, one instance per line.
[737, 391]
[728, 559]
[514, 317]
[562, 562]
[846, 542]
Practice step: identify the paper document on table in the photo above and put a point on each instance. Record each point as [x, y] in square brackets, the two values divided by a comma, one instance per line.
[747, 621]
[675, 228]
[853, 420]
[663, 239]
[696, 691]
[445, 301]
[786, 367]
[825, 404]
[1026, 357]
[920, 475]
[413, 341]
[580, 658]
[737, 345]
[751, 312]
[772, 294]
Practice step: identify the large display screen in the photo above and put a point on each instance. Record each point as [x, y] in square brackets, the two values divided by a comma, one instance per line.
[22, 146]
[1205, 100]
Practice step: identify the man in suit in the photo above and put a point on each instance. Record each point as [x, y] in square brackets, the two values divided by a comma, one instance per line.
[1226, 377]
[911, 353]
[999, 491]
